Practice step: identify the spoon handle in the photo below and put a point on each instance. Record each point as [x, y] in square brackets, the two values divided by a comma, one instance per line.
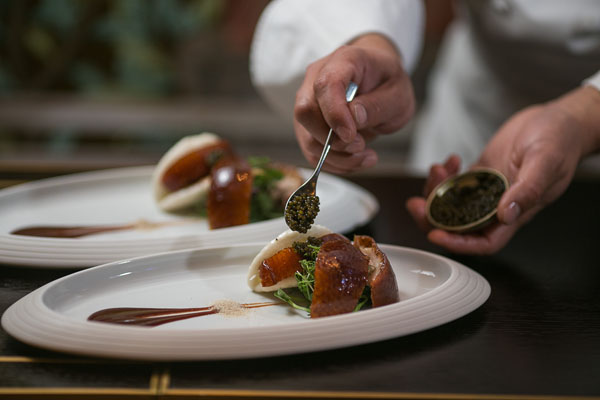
[350, 93]
[302, 206]
[324, 153]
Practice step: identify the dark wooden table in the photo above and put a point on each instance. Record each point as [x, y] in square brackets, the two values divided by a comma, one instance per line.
[537, 337]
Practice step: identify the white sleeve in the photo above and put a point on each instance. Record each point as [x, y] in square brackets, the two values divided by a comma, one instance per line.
[291, 34]
[593, 80]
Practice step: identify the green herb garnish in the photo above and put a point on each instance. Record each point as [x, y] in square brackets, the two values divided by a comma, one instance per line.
[293, 301]
[259, 162]
[262, 204]
[306, 279]
[365, 299]
[308, 250]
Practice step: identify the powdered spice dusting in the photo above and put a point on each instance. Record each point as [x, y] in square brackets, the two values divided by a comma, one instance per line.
[230, 308]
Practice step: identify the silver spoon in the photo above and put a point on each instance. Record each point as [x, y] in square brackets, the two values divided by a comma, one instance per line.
[302, 206]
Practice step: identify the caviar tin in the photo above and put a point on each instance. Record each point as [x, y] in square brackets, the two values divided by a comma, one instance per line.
[466, 202]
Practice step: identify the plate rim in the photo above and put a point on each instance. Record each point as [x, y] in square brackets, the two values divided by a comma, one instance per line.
[20, 319]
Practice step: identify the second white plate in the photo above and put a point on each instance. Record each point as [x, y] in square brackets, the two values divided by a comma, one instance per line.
[433, 290]
[123, 195]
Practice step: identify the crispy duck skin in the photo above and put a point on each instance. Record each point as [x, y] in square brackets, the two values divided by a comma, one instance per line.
[331, 237]
[340, 278]
[279, 266]
[381, 278]
[193, 166]
[230, 191]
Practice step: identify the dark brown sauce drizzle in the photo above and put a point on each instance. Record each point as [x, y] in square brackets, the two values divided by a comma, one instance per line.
[68, 231]
[79, 231]
[159, 316]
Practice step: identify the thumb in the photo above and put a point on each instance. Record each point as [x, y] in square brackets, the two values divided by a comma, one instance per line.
[533, 180]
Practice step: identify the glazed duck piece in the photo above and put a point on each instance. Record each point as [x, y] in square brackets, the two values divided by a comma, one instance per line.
[230, 192]
[340, 277]
[181, 178]
[381, 278]
[279, 266]
[194, 165]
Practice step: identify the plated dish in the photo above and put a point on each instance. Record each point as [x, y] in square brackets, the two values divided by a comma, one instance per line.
[123, 196]
[324, 273]
[433, 290]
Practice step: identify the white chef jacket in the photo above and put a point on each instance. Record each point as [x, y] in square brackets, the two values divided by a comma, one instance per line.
[497, 57]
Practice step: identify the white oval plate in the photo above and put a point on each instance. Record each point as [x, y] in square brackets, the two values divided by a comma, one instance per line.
[122, 196]
[433, 290]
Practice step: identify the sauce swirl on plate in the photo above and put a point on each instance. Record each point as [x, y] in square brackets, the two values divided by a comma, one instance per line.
[160, 316]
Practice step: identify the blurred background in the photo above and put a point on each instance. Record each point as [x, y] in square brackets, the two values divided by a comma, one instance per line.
[109, 83]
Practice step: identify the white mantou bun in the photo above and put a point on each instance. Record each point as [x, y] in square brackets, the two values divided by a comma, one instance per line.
[285, 239]
[189, 195]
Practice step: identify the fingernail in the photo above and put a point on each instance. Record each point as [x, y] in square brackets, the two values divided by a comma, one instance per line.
[360, 114]
[511, 213]
[369, 161]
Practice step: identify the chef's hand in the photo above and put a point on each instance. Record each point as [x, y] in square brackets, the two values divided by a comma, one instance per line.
[538, 150]
[383, 104]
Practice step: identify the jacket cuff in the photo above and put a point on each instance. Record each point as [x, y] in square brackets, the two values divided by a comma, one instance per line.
[593, 81]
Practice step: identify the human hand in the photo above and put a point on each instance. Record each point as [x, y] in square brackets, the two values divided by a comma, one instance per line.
[383, 104]
[538, 150]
